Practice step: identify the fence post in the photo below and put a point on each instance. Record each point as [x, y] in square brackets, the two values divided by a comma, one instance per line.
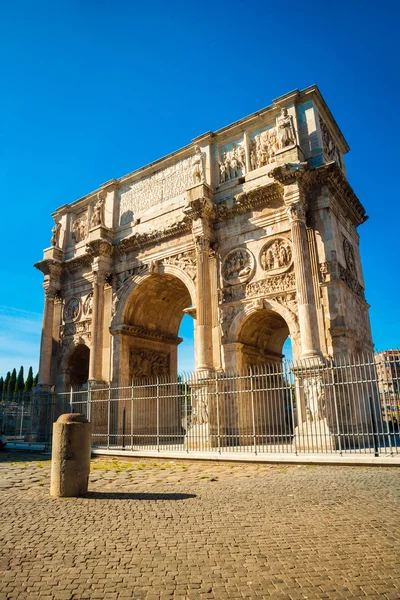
[71, 399]
[186, 414]
[158, 414]
[336, 408]
[108, 415]
[132, 417]
[89, 403]
[218, 421]
[252, 410]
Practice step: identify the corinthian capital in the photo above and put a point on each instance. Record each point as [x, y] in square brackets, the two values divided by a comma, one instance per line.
[202, 243]
[296, 212]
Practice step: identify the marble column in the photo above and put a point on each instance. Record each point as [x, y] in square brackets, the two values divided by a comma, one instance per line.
[204, 359]
[308, 319]
[95, 362]
[46, 344]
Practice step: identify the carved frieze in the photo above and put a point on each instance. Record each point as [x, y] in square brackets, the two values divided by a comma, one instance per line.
[334, 271]
[328, 145]
[227, 314]
[148, 363]
[238, 266]
[349, 256]
[351, 281]
[140, 195]
[232, 163]
[88, 305]
[80, 327]
[139, 240]
[72, 309]
[79, 227]
[263, 148]
[271, 285]
[264, 287]
[185, 261]
[276, 256]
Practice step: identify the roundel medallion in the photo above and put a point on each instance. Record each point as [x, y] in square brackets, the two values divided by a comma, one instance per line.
[276, 256]
[238, 266]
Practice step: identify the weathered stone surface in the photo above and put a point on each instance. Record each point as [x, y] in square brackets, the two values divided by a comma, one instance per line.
[70, 461]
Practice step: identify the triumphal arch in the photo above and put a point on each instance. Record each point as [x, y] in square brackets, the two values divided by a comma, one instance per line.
[250, 230]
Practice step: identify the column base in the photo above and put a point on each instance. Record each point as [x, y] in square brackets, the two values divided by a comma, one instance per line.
[314, 436]
[198, 438]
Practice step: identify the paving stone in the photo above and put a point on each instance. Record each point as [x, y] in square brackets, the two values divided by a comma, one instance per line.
[167, 532]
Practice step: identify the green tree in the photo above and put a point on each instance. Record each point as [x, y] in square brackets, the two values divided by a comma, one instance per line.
[35, 380]
[29, 382]
[11, 384]
[19, 384]
[6, 382]
[1, 387]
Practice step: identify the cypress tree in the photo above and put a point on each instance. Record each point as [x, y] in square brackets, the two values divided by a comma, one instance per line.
[35, 380]
[11, 384]
[19, 384]
[6, 382]
[1, 387]
[29, 382]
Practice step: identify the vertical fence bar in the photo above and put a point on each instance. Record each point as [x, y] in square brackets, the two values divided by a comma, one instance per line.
[158, 413]
[336, 407]
[108, 416]
[217, 408]
[253, 420]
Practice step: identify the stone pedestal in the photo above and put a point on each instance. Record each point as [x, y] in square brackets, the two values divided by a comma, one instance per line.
[70, 460]
[314, 436]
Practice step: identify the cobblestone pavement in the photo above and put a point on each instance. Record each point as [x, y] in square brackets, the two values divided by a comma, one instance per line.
[174, 529]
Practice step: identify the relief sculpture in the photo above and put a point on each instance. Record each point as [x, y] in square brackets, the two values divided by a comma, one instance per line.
[72, 310]
[238, 266]
[148, 363]
[263, 148]
[276, 256]
[79, 228]
[232, 163]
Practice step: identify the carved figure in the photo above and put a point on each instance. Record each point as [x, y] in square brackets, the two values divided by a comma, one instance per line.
[238, 266]
[198, 166]
[97, 215]
[315, 398]
[285, 128]
[233, 163]
[88, 304]
[72, 309]
[222, 172]
[79, 228]
[146, 363]
[276, 255]
[329, 146]
[253, 160]
[349, 256]
[55, 235]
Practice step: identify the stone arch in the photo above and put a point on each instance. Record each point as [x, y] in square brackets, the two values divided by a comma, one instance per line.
[249, 325]
[125, 294]
[77, 364]
[146, 323]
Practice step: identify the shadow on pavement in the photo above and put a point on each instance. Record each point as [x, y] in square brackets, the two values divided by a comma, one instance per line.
[136, 496]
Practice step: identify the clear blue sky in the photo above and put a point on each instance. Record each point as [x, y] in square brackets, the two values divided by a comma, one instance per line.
[93, 90]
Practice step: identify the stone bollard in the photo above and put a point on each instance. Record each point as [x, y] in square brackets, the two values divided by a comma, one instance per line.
[70, 459]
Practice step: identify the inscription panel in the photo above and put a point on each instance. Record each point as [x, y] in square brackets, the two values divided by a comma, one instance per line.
[165, 184]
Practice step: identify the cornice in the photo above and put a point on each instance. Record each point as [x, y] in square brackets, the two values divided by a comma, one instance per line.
[141, 332]
[49, 267]
[79, 262]
[140, 240]
[248, 201]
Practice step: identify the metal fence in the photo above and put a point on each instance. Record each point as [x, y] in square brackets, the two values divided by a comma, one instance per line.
[339, 406]
[27, 421]
[335, 406]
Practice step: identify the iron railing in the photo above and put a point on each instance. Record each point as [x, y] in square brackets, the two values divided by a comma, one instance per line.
[309, 406]
[341, 406]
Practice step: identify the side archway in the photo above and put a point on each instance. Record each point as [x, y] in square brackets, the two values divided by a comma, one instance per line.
[146, 324]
